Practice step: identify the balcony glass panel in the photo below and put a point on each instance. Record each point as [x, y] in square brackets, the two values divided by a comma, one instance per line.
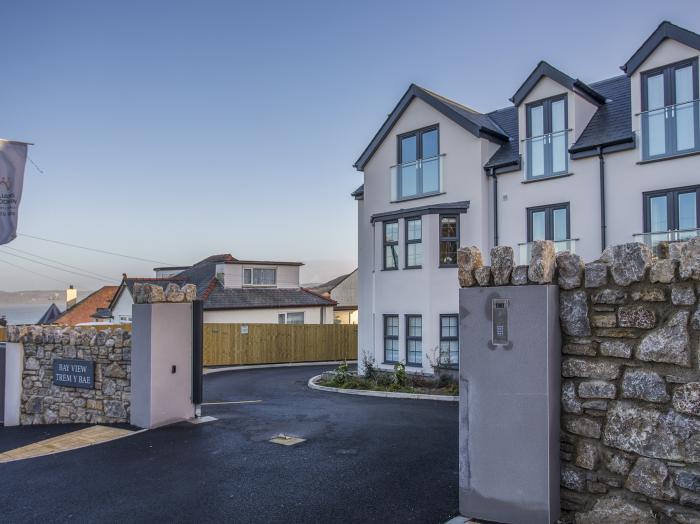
[419, 178]
[547, 155]
[670, 130]
[676, 235]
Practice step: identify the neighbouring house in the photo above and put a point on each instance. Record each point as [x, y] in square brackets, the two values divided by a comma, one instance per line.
[343, 290]
[50, 315]
[239, 291]
[585, 165]
[82, 312]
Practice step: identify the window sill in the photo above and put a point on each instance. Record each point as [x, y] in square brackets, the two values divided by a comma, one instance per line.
[669, 157]
[419, 197]
[390, 362]
[413, 267]
[408, 365]
[447, 266]
[541, 178]
[390, 269]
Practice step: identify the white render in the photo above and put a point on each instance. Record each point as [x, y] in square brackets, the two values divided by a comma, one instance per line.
[431, 290]
[287, 274]
[312, 315]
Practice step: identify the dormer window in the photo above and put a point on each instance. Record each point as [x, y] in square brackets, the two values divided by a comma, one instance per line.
[670, 110]
[259, 276]
[418, 171]
[547, 140]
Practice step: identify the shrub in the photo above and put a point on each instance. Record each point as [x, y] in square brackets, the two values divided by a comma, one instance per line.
[400, 376]
[342, 374]
[370, 366]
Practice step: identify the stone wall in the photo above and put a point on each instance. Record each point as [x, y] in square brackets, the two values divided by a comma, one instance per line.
[630, 419]
[42, 402]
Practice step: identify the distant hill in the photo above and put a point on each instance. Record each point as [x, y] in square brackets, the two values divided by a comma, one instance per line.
[33, 297]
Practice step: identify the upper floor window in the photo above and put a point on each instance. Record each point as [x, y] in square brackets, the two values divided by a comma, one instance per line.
[449, 240]
[670, 124]
[414, 242]
[391, 245]
[259, 276]
[418, 169]
[672, 210]
[547, 138]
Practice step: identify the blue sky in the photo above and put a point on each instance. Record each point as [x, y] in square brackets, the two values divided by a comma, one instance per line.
[175, 130]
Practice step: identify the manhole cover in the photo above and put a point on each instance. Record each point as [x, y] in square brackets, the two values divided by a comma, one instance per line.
[286, 440]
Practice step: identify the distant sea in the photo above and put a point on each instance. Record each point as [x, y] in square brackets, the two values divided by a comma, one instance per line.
[24, 314]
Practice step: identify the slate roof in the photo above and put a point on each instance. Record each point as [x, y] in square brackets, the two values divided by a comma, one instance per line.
[613, 120]
[478, 124]
[507, 118]
[81, 311]
[331, 284]
[215, 296]
[50, 316]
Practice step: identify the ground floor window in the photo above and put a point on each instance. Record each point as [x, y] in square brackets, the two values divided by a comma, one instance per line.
[391, 338]
[449, 340]
[414, 340]
[291, 318]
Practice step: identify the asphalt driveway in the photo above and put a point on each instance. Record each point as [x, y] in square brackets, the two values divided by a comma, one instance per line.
[365, 460]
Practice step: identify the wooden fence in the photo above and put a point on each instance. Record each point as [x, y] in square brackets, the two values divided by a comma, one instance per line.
[3, 334]
[237, 344]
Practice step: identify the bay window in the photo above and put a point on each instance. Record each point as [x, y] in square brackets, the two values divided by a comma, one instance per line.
[414, 243]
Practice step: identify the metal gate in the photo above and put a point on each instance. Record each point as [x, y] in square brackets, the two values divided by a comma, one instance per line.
[2, 382]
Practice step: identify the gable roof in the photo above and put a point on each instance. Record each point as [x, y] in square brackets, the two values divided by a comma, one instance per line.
[478, 124]
[50, 316]
[612, 123]
[331, 284]
[359, 192]
[572, 84]
[216, 296]
[81, 311]
[665, 30]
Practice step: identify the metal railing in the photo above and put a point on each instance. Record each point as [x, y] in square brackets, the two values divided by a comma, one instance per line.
[525, 249]
[546, 155]
[415, 179]
[655, 239]
[670, 130]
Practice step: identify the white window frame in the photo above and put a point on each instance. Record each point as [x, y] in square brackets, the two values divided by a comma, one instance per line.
[252, 270]
[285, 317]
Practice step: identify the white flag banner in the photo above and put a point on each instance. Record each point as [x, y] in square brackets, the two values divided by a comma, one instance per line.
[13, 156]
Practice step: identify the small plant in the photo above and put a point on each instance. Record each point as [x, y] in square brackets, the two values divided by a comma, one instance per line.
[369, 364]
[342, 374]
[400, 375]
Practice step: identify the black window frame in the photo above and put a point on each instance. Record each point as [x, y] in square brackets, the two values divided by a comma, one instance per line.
[669, 81]
[408, 241]
[671, 206]
[442, 239]
[418, 133]
[385, 318]
[549, 220]
[414, 338]
[394, 243]
[546, 104]
[448, 339]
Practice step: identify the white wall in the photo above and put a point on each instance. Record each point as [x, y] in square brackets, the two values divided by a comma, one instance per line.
[431, 290]
[345, 293]
[312, 315]
[123, 306]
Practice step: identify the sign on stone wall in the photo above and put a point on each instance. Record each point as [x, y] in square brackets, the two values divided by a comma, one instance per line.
[74, 373]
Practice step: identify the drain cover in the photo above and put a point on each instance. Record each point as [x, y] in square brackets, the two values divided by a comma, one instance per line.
[286, 440]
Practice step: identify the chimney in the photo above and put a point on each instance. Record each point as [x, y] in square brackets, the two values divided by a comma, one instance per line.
[71, 296]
